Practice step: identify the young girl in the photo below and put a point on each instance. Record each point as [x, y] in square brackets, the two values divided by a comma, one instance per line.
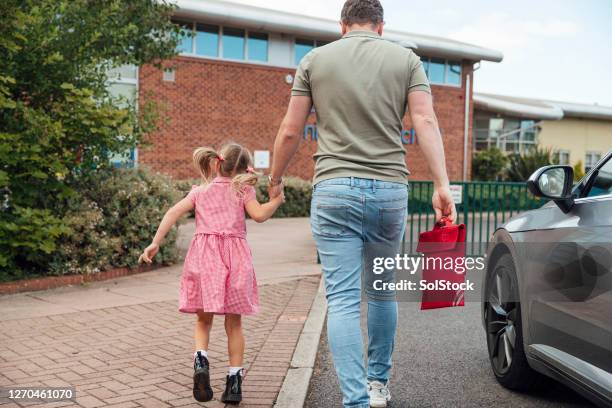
[218, 275]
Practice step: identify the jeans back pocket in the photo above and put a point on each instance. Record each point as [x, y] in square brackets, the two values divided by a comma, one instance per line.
[332, 219]
[392, 222]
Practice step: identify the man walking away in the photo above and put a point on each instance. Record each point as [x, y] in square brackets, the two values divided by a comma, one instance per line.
[360, 87]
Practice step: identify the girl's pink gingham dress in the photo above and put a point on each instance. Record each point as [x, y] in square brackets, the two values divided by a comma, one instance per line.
[218, 275]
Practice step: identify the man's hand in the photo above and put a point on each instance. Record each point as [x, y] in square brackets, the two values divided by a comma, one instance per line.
[443, 204]
[275, 191]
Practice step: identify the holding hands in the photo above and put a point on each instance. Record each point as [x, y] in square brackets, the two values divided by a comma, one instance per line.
[275, 188]
[276, 191]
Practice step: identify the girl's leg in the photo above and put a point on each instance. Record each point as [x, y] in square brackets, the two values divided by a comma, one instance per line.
[235, 339]
[201, 377]
[202, 330]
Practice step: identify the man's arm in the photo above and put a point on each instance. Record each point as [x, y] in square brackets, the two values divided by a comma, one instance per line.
[288, 138]
[425, 123]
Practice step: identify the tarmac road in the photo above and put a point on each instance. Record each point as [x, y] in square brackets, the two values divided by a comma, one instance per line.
[440, 360]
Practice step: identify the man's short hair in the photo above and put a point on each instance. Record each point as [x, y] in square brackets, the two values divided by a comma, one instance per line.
[362, 12]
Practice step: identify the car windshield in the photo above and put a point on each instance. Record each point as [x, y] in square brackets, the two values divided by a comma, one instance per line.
[602, 185]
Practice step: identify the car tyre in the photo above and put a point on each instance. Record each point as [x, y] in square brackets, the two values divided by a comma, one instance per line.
[504, 329]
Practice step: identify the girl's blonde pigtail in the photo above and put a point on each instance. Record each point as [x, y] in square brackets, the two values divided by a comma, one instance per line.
[244, 179]
[203, 160]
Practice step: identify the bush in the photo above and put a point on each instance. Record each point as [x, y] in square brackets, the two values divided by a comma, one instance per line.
[27, 237]
[488, 165]
[578, 171]
[108, 223]
[58, 120]
[298, 193]
[523, 165]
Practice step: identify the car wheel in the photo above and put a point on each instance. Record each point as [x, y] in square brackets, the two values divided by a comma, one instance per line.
[504, 328]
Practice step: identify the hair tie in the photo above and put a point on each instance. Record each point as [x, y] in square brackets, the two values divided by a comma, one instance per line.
[220, 157]
[250, 170]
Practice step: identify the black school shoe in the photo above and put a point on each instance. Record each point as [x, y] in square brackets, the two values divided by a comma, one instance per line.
[201, 379]
[233, 389]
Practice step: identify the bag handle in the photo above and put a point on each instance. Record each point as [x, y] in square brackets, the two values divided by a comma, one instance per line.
[444, 222]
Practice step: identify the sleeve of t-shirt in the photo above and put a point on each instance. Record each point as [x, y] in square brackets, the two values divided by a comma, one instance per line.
[249, 194]
[301, 82]
[418, 78]
[192, 194]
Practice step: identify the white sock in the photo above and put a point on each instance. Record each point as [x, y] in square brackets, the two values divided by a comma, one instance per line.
[234, 370]
[203, 352]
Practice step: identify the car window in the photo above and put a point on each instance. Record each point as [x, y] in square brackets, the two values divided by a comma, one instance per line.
[602, 185]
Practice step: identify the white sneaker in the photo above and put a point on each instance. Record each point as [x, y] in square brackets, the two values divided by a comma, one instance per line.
[379, 394]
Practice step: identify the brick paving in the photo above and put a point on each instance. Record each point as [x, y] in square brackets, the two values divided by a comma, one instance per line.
[140, 355]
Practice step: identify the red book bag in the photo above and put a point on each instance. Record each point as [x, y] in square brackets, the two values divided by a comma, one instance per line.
[446, 242]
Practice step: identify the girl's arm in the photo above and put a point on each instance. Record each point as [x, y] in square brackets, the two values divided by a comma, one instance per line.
[261, 212]
[170, 218]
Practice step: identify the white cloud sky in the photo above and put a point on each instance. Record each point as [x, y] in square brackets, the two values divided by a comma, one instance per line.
[553, 49]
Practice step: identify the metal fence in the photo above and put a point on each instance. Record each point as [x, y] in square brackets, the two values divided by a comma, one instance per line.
[481, 206]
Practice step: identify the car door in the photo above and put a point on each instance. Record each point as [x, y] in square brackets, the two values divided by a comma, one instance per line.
[569, 276]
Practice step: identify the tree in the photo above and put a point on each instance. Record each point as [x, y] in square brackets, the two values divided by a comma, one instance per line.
[578, 171]
[523, 165]
[57, 120]
[488, 165]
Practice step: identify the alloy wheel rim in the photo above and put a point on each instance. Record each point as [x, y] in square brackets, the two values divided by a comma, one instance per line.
[501, 314]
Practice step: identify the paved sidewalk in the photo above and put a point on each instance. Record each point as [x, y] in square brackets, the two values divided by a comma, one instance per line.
[122, 343]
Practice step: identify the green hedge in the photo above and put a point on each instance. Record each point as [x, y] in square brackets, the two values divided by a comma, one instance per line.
[298, 193]
[107, 224]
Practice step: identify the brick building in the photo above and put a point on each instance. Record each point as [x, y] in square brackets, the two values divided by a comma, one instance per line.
[232, 81]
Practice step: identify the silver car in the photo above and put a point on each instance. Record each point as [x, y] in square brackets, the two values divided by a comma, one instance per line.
[547, 293]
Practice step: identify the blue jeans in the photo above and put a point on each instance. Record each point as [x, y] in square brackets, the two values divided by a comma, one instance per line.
[348, 215]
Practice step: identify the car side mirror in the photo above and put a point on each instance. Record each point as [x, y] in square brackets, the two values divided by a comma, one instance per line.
[554, 182]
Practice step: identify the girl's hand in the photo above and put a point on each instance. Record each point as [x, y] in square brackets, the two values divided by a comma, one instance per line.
[148, 254]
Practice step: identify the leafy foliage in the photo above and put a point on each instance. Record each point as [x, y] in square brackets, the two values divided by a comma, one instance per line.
[113, 219]
[523, 165]
[57, 120]
[578, 171]
[488, 165]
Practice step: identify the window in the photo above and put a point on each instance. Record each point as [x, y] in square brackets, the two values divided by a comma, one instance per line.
[453, 74]
[510, 135]
[561, 157]
[122, 86]
[591, 160]
[302, 47]
[481, 133]
[436, 71]
[185, 46]
[257, 46]
[602, 185]
[233, 43]
[528, 136]
[425, 63]
[440, 71]
[207, 40]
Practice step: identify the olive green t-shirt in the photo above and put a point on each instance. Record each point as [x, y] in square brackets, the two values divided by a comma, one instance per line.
[359, 87]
